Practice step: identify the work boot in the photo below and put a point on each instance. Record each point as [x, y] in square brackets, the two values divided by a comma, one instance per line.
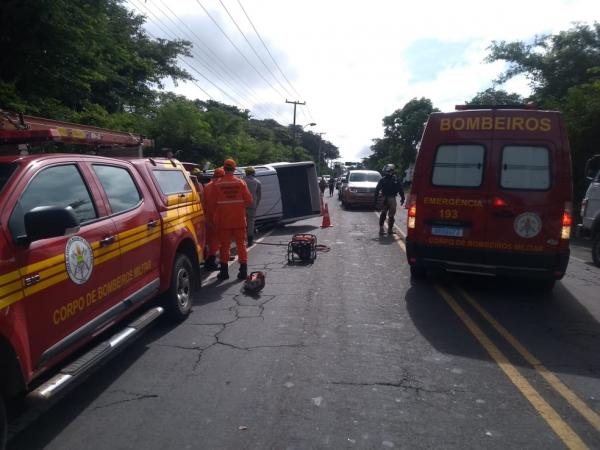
[381, 231]
[243, 273]
[250, 241]
[210, 265]
[224, 272]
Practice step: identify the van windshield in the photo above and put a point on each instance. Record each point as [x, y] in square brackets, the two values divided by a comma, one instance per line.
[374, 177]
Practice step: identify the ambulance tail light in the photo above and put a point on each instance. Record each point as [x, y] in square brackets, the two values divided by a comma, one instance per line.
[567, 221]
[412, 211]
[498, 202]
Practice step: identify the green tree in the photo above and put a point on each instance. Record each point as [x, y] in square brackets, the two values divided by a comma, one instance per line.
[564, 72]
[492, 96]
[61, 57]
[402, 133]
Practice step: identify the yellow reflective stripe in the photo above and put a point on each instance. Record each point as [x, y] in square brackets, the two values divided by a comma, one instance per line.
[11, 288]
[146, 233]
[46, 283]
[10, 276]
[44, 274]
[36, 267]
[108, 256]
[139, 243]
[124, 234]
[9, 300]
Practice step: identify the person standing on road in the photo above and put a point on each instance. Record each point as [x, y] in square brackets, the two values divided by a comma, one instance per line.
[212, 235]
[255, 189]
[229, 204]
[331, 186]
[389, 186]
[322, 185]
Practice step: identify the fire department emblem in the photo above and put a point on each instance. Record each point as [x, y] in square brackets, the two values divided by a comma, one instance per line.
[79, 259]
[528, 225]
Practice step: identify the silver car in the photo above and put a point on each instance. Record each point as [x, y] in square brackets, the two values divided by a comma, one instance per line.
[360, 189]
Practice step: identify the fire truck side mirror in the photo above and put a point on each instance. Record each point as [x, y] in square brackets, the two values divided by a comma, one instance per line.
[46, 222]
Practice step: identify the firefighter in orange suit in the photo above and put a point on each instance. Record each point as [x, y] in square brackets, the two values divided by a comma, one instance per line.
[229, 202]
[212, 236]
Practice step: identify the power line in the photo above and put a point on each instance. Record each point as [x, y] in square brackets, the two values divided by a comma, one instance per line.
[267, 48]
[238, 50]
[212, 56]
[253, 49]
[160, 24]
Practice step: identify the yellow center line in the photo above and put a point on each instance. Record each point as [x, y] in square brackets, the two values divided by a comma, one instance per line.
[591, 416]
[560, 427]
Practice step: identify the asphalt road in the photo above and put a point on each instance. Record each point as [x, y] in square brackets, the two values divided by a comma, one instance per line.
[349, 352]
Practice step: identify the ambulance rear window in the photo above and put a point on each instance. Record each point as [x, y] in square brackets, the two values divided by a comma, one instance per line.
[525, 167]
[458, 165]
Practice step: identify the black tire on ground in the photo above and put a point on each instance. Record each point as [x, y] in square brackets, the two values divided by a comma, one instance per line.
[3, 423]
[596, 250]
[178, 299]
[418, 272]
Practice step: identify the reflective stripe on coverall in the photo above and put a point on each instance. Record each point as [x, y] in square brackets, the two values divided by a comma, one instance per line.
[230, 201]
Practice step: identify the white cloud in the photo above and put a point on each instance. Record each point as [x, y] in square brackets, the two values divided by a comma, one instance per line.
[348, 59]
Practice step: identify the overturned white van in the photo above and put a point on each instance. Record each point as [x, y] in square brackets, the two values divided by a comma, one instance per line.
[290, 192]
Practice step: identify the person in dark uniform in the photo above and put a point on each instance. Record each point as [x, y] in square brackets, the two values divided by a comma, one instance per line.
[331, 186]
[389, 186]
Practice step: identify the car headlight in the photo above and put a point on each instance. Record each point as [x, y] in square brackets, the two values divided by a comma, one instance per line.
[353, 189]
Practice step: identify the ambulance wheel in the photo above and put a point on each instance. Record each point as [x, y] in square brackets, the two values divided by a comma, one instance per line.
[418, 272]
[3, 423]
[596, 250]
[181, 290]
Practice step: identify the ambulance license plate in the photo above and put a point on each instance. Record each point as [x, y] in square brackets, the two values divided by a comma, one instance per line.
[447, 231]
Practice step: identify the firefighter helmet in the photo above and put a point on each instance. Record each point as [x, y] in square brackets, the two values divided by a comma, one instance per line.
[389, 169]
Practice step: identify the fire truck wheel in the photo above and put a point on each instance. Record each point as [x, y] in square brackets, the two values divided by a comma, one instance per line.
[3, 424]
[179, 295]
[596, 250]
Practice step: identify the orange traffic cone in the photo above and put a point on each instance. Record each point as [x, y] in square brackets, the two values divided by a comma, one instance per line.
[326, 221]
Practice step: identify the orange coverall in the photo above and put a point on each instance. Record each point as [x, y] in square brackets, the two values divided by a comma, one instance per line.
[212, 238]
[228, 206]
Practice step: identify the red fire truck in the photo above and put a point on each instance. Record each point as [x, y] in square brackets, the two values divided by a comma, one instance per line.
[84, 241]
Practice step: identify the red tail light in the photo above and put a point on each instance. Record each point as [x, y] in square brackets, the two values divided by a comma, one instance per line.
[498, 202]
[567, 221]
[412, 211]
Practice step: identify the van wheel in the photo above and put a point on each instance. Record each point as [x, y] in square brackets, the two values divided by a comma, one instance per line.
[3, 423]
[596, 250]
[179, 296]
[418, 272]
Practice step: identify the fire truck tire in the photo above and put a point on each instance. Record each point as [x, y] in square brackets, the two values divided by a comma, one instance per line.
[179, 296]
[596, 249]
[3, 424]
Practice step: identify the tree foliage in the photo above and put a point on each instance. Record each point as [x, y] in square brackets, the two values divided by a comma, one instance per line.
[495, 97]
[402, 131]
[564, 72]
[92, 62]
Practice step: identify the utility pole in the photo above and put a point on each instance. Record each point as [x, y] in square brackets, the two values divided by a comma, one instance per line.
[319, 158]
[295, 103]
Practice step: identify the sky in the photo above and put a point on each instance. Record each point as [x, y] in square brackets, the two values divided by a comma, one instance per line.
[352, 62]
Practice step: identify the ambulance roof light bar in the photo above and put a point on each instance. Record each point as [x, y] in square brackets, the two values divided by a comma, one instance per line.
[467, 107]
[22, 129]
